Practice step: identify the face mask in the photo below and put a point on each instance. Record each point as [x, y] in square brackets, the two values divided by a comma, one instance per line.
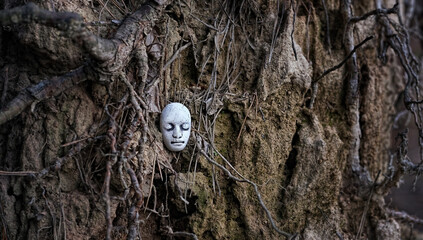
[175, 125]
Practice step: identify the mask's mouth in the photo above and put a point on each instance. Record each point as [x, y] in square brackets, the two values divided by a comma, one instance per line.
[177, 142]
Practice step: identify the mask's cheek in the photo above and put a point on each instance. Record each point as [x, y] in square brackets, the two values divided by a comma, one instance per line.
[185, 135]
[167, 136]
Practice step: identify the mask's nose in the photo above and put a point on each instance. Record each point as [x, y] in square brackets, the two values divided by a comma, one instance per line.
[177, 133]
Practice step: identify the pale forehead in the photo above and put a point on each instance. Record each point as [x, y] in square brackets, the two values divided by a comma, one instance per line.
[175, 112]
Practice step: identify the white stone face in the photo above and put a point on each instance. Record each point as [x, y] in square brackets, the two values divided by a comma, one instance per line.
[175, 125]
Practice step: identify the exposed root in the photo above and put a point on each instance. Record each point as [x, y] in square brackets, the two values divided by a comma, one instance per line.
[352, 99]
[404, 217]
[111, 133]
[295, 9]
[169, 232]
[109, 56]
[277, 27]
[41, 91]
[366, 208]
[71, 23]
[62, 160]
[337, 66]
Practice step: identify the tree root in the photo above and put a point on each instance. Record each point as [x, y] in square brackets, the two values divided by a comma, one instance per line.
[41, 91]
[109, 56]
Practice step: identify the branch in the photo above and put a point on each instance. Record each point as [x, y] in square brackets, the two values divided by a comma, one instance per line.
[18, 173]
[295, 8]
[393, 10]
[343, 61]
[229, 174]
[41, 91]
[169, 232]
[403, 216]
[366, 208]
[399, 41]
[176, 55]
[57, 165]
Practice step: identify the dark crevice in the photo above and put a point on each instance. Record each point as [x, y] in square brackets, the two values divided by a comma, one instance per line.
[174, 13]
[291, 162]
[289, 167]
[10, 191]
[307, 98]
[364, 82]
[256, 151]
[240, 216]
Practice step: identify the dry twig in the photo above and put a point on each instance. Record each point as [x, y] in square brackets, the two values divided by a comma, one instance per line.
[169, 231]
[404, 217]
[337, 66]
[295, 8]
[242, 179]
[327, 26]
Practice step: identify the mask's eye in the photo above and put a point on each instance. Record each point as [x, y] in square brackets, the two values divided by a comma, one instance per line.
[169, 126]
[185, 126]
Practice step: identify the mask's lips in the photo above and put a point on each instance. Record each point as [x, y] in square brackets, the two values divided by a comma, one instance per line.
[177, 142]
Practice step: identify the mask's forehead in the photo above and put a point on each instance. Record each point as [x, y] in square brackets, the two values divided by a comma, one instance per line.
[177, 117]
[176, 113]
